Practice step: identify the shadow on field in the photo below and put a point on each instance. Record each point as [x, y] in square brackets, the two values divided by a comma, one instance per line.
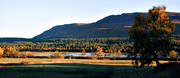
[70, 70]
[69, 66]
[74, 70]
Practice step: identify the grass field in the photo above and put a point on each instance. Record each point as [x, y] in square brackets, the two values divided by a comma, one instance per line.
[79, 61]
[64, 71]
[69, 68]
[62, 68]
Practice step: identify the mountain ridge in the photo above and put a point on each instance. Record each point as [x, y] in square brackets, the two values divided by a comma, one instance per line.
[110, 26]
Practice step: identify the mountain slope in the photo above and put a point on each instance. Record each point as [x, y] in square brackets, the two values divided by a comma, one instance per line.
[111, 26]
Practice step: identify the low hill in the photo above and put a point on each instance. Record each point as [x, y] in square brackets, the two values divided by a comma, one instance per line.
[13, 39]
[110, 26]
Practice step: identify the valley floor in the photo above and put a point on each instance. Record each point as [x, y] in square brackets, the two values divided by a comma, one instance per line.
[70, 68]
[67, 61]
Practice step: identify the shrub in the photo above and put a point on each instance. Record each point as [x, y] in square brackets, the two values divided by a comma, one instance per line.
[1, 52]
[25, 54]
[83, 51]
[56, 55]
[10, 52]
[173, 54]
[100, 51]
[93, 57]
[119, 52]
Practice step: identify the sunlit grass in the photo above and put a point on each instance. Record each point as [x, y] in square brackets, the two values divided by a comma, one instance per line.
[65, 71]
[69, 61]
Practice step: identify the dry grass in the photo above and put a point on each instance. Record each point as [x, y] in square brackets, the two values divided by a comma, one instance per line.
[57, 60]
[80, 61]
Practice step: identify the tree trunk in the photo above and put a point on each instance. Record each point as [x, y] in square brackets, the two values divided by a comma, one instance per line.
[157, 62]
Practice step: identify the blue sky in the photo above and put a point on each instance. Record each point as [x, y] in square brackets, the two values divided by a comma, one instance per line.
[28, 18]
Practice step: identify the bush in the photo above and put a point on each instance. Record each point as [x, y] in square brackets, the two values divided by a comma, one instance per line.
[93, 57]
[25, 54]
[57, 55]
[173, 54]
[10, 52]
[83, 52]
[1, 52]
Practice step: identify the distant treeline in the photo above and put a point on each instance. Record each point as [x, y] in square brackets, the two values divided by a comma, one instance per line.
[73, 45]
[14, 39]
[67, 44]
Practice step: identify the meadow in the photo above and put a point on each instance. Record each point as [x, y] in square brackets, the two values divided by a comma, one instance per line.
[57, 60]
[64, 68]
[70, 68]
[62, 71]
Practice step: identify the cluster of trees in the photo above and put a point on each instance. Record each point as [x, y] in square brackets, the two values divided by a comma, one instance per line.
[8, 52]
[72, 45]
[152, 36]
[12, 52]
